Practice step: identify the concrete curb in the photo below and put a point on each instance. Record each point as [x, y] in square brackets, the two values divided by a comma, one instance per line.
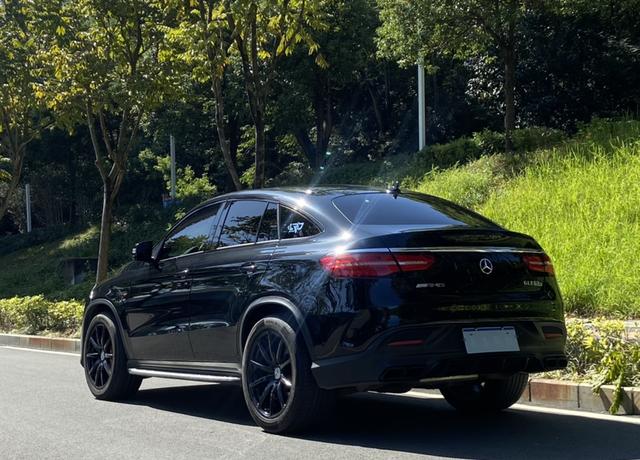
[41, 343]
[560, 394]
[540, 392]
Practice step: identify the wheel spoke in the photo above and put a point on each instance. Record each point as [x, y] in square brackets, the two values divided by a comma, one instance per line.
[286, 382]
[108, 355]
[94, 367]
[107, 368]
[261, 366]
[279, 350]
[260, 380]
[279, 394]
[265, 392]
[91, 355]
[94, 344]
[273, 359]
[285, 364]
[264, 354]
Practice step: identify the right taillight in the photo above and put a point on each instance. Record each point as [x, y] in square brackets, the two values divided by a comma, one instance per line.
[540, 263]
[374, 264]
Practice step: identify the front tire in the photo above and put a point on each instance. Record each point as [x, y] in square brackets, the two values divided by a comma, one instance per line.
[279, 389]
[105, 361]
[490, 395]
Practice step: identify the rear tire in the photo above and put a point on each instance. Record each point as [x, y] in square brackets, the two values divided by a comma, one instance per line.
[490, 395]
[105, 361]
[279, 389]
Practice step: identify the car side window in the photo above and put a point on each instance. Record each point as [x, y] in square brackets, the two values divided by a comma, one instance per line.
[192, 235]
[242, 223]
[269, 225]
[295, 225]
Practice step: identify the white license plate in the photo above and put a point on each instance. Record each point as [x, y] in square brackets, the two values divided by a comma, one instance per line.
[490, 339]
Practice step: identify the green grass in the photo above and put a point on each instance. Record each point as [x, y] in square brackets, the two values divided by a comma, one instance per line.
[37, 270]
[582, 204]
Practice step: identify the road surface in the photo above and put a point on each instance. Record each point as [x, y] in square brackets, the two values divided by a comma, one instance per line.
[47, 412]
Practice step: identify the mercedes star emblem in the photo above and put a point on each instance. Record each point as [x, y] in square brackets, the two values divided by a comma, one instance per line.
[486, 266]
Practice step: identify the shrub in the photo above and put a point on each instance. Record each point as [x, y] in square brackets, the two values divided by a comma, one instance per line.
[35, 314]
[600, 352]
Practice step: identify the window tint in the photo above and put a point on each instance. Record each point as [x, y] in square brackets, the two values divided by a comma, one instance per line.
[192, 235]
[406, 209]
[242, 222]
[295, 225]
[269, 226]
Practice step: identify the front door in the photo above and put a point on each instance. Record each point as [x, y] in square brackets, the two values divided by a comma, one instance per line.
[157, 309]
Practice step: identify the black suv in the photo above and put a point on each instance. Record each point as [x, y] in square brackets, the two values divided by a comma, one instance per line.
[298, 294]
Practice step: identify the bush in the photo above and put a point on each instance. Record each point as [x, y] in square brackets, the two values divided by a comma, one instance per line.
[35, 314]
[600, 352]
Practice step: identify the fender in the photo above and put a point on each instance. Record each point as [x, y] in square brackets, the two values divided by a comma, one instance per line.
[88, 312]
[281, 301]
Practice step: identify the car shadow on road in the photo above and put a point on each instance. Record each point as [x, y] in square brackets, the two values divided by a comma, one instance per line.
[426, 426]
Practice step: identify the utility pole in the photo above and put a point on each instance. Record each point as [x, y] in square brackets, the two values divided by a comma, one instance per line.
[172, 148]
[422, 127]
[27, 199]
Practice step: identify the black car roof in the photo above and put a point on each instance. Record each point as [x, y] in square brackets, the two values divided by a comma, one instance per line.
[294, 193]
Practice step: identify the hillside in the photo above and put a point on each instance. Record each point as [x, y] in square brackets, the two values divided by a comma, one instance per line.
[580, 198]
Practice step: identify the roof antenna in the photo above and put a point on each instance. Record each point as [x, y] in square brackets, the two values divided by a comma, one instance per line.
[395, 189]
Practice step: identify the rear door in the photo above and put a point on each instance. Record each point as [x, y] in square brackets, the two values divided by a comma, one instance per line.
[227, 278]
[157, 310]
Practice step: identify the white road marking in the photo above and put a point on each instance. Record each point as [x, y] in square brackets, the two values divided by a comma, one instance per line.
[40, 351]
[633, 419]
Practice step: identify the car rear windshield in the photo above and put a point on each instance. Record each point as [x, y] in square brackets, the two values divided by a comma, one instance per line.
[406, 209]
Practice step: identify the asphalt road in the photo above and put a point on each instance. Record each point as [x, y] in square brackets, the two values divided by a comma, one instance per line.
[47, 412]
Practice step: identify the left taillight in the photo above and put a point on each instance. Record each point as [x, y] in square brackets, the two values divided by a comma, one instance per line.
[540, 263]
[374, 264]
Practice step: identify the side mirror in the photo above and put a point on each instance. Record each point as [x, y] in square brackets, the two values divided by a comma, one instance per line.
[142, 251]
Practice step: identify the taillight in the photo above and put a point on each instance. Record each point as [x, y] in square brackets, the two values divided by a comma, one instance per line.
[414, 262]
[540, 263]
[374, 264]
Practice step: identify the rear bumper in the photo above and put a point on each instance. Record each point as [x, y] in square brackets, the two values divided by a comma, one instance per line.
[440, 355]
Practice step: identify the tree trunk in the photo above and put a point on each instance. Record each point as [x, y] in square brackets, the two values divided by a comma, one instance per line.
[105, 232]
[225, 145]
[259, 124]
[509, 98]
[302, 136]
[16, 166]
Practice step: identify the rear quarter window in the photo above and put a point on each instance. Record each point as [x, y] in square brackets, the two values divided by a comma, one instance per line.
[406, 209]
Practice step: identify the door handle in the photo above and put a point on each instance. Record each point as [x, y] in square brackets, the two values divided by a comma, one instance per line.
[249, 267]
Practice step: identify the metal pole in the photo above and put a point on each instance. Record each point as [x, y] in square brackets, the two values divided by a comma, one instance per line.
[422, 128]
[27, 198]
[172, 147]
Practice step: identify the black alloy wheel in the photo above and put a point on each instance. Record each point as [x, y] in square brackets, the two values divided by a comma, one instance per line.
[98, 357]
[279, 388]
[270, 373]
[105, 361]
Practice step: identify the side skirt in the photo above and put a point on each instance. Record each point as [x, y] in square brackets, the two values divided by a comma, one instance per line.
[199, 372]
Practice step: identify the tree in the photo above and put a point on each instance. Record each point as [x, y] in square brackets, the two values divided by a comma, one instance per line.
[109, 76]
[201, 41]
[21, 116]
[417, 30]
[309, 94]
[263, 31]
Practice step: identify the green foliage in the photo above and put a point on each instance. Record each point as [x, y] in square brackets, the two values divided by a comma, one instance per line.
[189, 187]
[599, 351]
[36, 314]
[581, 202]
